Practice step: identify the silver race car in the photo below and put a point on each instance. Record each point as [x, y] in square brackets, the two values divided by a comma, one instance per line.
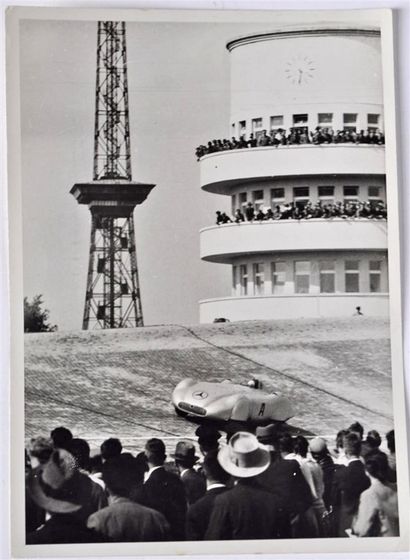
[230, 402]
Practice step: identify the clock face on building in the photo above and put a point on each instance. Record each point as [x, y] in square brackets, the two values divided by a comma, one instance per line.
[300, 70]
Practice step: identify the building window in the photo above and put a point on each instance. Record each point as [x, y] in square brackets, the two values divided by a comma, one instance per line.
[302, 277]
[258, 279]
[326, 192]
[233, 203]
[276, 122]
[324, 119]
[277, 197]
[243, 199]
[351, 276]
[327, 277]
[300, 119]
[350, 193]
[375, 273]
[349, 121]
[278, 277]
[243, 279]
[373, 193]
[257, 127]
[242, 128]
[234, 272]
[373, 121]
[258, 199]
[300, 196]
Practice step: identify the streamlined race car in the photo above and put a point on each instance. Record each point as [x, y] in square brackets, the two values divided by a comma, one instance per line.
[230, 401]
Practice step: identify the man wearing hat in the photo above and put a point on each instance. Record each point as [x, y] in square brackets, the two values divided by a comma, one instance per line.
[285, 480]
[208, 438]
[246, 511]
[185, 459]
[163, 490]
[320, 454]
[65, 493]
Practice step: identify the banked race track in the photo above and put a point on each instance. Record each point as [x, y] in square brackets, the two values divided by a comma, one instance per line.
[118, 383]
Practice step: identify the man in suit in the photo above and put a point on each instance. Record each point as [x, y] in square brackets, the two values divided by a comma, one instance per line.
[246, 511]
[200, 512]
[185, 459]
[348, 483]
[123, 520]
[163, 490]
[284, 479]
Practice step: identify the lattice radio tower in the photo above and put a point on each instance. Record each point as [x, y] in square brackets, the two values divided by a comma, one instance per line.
[113, 298]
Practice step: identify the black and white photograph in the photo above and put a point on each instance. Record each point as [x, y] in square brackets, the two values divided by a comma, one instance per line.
[205, 283]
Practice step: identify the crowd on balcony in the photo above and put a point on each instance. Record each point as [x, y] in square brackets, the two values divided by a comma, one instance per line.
[281, 137]
[267, 485]
[292, 211]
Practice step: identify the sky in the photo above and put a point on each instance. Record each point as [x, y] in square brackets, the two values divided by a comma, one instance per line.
[178, 76]
[179, 98]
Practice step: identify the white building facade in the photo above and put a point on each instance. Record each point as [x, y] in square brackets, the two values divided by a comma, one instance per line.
[304, 80]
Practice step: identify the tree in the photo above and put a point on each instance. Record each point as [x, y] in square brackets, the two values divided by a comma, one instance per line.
[36, 318]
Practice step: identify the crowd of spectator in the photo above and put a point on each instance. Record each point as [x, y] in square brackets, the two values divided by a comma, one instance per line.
[267, 485]
[291, 211]
[281, 137]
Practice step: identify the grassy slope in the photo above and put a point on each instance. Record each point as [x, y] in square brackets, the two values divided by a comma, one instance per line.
[106, 383]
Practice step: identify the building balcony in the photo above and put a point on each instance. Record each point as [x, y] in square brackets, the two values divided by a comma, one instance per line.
[293, 306]
[223, 243]
[221, 171]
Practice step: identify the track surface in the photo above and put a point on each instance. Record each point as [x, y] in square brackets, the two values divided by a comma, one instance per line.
[118, 383]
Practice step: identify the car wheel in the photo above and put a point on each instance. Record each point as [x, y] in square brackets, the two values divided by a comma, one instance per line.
[180, 413]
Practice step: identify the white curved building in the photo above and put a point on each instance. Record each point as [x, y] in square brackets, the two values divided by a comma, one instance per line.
[301, 79]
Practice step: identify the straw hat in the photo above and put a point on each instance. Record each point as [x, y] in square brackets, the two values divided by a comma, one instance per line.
[59, 487]
[244, 456]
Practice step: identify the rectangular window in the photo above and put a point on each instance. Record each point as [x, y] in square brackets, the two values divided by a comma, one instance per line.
[373, 119]
[243, 199]
[301, 118]
[276, 121]
[242, 128]
[327, 277]
[373, 192]
[233, 203]
[375, 273]
[234, 271]
[350, 192]
[258, 279]
[301, 196]
[302, 277]
[278, 277]
[256, 125]
[300, 192]
[326, 192]
[278, 194]
[258, 199]
[352, 276]
[324, 118]
[349, 118]
[243, 278]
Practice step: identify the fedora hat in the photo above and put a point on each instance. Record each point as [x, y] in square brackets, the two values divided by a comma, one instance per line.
[244, 456]
[266, 434]
[185, 451]
[59, 487]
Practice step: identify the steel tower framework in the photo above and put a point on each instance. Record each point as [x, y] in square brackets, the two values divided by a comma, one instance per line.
[113, 298]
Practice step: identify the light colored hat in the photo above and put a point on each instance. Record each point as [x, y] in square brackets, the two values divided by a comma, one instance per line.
[59, 487]
[244, 456]
[317, 445]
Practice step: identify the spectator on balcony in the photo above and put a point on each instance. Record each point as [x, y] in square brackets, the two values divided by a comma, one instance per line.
[260, 216]
[239, 217]
[252, 142]
[242, 142]
[269, 214]
[250, 212]
[233, 143]
[263, 139]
